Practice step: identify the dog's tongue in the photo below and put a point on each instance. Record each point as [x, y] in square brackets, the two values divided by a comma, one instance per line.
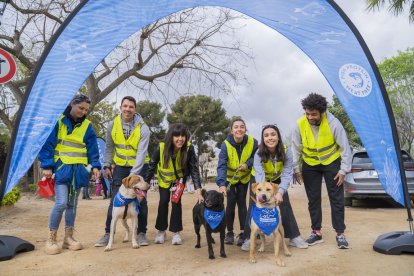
[141, 193]
[262, 198]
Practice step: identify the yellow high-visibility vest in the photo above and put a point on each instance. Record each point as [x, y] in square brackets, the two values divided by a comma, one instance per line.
[147, 159]
[125, 150]
[166, 176]
[325, 151]
[70, 148]
[233, 162]
[273, 171]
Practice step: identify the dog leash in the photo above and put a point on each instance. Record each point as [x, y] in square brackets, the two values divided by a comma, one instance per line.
[231, 180]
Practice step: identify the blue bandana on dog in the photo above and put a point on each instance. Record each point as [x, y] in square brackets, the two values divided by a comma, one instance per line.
[120, 201]
[267, 219]
[213, 218]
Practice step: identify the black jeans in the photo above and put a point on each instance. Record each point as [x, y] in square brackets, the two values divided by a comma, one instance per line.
[176, 219]
[286, 212]
[236, 196]
[312, 178]
[117, 176]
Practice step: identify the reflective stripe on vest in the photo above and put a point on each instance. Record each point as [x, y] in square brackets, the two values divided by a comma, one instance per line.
[325, 150]
[233, 162]
[166, 176]
[273, 171]
[125, 150]
[70, 148]
[147, 159]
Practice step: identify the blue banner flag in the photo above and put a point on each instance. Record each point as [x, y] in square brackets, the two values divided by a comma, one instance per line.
[319, 28]
[101, 147]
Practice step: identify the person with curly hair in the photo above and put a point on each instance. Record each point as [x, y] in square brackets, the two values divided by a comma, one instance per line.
[320, 142]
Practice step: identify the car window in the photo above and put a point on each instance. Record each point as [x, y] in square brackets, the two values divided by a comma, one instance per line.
[361, 158]
[406, 157]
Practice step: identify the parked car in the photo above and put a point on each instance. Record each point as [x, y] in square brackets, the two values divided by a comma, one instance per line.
[362, 182]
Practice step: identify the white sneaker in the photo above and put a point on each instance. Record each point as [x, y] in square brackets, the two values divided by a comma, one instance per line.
[246, 245]
[142, 239]
[176, 239]
[160, 238]
[298, 242]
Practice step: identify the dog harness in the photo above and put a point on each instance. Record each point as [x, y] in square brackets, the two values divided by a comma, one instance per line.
[120, 201]
[213, 218]
[267, 219]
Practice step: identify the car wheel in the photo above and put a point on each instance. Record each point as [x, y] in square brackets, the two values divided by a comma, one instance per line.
[348, 201]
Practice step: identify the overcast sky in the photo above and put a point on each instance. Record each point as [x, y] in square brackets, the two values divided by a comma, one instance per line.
[284, 74]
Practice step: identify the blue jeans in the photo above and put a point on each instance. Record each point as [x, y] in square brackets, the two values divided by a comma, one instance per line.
[63, 202]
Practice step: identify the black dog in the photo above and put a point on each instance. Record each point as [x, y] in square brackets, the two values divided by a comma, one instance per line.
[210, 214]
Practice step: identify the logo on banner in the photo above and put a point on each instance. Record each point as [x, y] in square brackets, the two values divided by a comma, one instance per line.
[355, 79]
[7, 66]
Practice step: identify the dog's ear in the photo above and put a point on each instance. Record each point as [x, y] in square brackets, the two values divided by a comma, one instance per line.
[221, 196]
[275, 188]
[254, 186]
[203, 193]
[126, 181]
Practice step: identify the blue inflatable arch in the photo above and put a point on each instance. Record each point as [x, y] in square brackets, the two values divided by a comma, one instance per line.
[319, 28]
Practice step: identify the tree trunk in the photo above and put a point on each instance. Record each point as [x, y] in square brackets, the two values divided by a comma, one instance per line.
[36, 171]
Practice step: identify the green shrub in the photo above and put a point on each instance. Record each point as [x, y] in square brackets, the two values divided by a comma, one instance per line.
[32, 188]
[12, 197]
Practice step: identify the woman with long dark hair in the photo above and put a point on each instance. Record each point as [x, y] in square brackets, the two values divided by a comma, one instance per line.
[174, 159]
[273, 163]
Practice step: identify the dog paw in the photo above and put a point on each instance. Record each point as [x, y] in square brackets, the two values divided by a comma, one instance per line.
[280, 263]
[135, 246]
[197, 246]
[288, 254]
[252, 261]
[223, 255]
[211, 257]
[261, 250]
[107, 249]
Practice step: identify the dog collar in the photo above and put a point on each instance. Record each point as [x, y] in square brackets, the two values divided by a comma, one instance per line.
[120, 201]
[213, 218]
[267, 219]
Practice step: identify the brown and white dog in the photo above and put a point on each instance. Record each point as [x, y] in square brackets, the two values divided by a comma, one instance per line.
[125, 201]
[265, 198]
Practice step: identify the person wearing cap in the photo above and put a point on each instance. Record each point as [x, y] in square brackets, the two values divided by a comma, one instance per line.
[127, 139]
[70, 147]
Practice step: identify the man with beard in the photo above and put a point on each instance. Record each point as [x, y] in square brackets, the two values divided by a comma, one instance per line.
[320, 141]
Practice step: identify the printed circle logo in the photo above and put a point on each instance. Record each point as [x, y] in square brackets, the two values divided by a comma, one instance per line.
[355, 79]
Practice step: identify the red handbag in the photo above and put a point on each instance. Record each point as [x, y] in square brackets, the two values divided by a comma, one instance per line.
[46, 187]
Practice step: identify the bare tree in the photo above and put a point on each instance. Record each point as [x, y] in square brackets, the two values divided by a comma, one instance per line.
[193, 50]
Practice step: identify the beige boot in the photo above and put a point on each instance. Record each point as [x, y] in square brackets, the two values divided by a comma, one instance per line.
[52, 247]
[69, 242]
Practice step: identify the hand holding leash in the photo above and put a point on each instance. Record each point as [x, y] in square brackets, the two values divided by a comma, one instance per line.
[298, 177]
[223, 190]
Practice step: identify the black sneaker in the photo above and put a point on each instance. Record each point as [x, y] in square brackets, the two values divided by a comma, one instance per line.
[229, 239]
[314, 238]
[240, 239]
[341, 241]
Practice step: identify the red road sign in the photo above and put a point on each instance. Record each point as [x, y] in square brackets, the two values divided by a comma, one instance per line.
[7, 66]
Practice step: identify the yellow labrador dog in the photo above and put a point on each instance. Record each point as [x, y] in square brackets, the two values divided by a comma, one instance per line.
[126, 201]
[266, 219]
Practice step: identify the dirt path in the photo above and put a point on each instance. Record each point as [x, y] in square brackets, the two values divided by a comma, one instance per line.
[28, 220]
